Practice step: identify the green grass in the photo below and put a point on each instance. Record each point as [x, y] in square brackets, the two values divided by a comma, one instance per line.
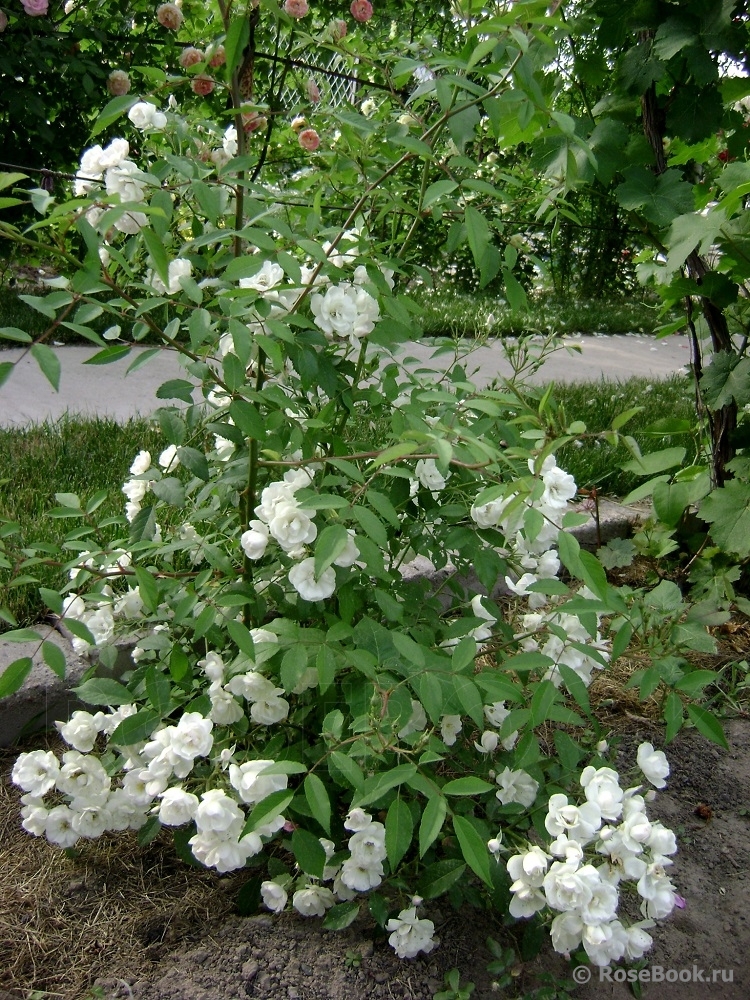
[71, 456]
[596, 463]
[452, 313]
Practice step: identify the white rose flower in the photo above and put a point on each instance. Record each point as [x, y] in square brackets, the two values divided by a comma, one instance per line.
[192, 736]
[81, 731]
[566, 931]
[59, 827]
[488, 742]
[83, 778]
[570, 887]
[34, 815]
[253, 786]
[516, 786]
[36, 772]
[274, 896]
[213, 666]
[168, 460]
[270, 710]
[145, 115]
[335, 312]
[177, 806]
[313, 901]
[225, 855]
[178, 268]
[605, 943]
[559, 488]
[367, 846]
[217, 813]
[255, 541]
[141, 463]
[638, 941]
[268, 277]
[450, 727]
[653, 764]
[291, 526]
[429, 475]
[350, 554]
[302, 578]
[602, 787]
[229, 142]
[580, 824]
[225, 709]
[417, 720]
[360, 876]
[410, 935]
[357, 819]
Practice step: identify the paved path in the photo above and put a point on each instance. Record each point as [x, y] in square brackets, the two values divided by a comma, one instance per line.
[106, 390]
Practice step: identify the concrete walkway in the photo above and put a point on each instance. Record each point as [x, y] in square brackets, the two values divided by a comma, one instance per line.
[106, 390]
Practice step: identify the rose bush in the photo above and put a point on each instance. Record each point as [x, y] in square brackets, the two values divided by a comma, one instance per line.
[301, 701]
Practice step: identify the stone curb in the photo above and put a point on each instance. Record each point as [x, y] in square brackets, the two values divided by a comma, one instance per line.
[45, 698]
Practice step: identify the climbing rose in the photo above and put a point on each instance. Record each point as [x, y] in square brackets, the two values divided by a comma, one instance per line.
[169, 16]
[35, 8]
[309, 139]
[338, 30]
[202, 85]
[190, 56]
[118, 83]
[296, 8]
[361, 10]
[217, 57]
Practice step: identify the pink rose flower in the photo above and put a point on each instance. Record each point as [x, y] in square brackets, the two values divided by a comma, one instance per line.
[218, 57]
[3, 21]
[313, 91]
[309, 139]
[338, 29]
[169, 16]
[190, 57]
[296, 8]
[35, 8]
[361, 10]
[118, 83]
[202, 85]
[252, 121]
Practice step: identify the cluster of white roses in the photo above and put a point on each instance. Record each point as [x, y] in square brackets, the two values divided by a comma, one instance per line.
[361, 871]
[90, 804]
[564, 876]
[281, 517]
[537, 556]
[136, 488]
[120, 176]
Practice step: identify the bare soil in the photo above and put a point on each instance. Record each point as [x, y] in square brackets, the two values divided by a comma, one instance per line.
[117, 921]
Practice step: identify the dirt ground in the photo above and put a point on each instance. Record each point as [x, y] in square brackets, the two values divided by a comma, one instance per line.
[118, 922]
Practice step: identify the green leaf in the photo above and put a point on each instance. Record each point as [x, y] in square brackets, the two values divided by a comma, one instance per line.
[659, 198]
[727, 378]
[147, 588]
[349, 768]
[195, 462]
[473, 848]
[269, 808]
[309, 852]
[6, 368]
[331, 542]
[673, 716]
[49, 363]
[707, 725]
[235, 42]
[135, 728]
[247, 418]
[159, 690]
[375, 788]
[341, 916]
[54, 658]
[112, 111]
[176, 388]
[655, 462]
[467, 786]
[317, 798]
[471, 700]
[399, 829]
[22, 635]
[438, 878]
[544, 697]
[14, 675]
[371, 525]
[727, 509]
[103, 691]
